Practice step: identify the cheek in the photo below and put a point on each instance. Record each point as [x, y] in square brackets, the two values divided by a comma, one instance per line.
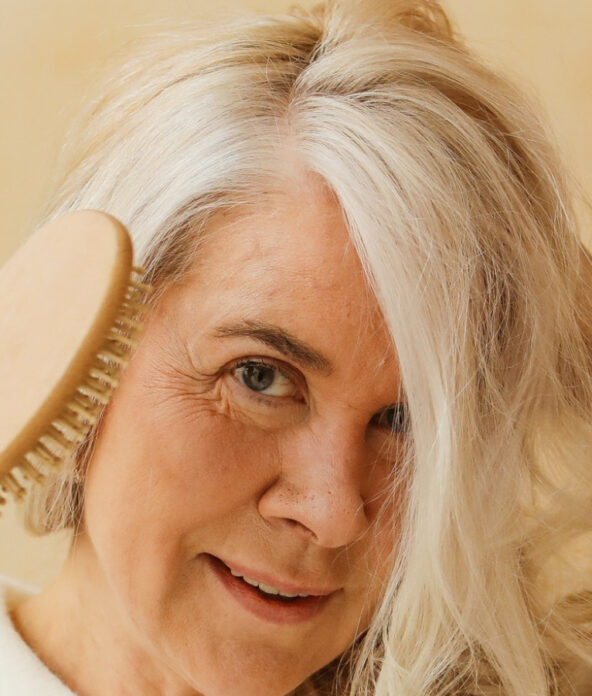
[166, 468]
[149, 458]
[379, 547]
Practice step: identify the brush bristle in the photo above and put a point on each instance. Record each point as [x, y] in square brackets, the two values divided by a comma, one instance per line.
[82, 412]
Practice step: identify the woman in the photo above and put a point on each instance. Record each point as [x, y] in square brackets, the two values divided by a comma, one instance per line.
[352, 444]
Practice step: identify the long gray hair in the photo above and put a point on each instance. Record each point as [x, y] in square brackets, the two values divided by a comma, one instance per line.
[458, 209]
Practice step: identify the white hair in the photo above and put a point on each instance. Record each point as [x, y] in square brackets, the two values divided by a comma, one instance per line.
[458, 210]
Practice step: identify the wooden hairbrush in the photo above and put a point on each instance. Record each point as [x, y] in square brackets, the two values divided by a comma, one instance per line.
[70, 304]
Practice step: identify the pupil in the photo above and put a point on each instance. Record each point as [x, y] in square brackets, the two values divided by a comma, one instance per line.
[258, 377]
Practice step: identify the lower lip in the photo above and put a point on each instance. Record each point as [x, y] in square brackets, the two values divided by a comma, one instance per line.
[272, 610]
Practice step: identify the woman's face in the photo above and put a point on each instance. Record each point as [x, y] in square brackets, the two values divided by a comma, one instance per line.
[249, 438]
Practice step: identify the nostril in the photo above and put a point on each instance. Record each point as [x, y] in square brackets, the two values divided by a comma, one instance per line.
[299, 526]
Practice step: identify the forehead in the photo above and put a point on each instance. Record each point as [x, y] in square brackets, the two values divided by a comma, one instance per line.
[289, 261]
[293, 232]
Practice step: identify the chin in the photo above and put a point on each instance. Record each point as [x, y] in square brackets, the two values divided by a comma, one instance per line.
[237, 668]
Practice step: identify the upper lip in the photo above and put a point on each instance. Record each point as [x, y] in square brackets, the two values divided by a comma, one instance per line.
[287, 586]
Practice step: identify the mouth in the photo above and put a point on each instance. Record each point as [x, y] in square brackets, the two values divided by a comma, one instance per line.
[268, 590]
[271, 603]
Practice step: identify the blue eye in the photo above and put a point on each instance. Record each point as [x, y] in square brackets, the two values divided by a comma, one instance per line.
[264, 379]
[395, 418]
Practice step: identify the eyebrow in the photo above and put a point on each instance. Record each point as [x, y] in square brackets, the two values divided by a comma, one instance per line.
[277, 338]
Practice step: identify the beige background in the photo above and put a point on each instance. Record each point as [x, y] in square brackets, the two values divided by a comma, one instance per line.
[50, 52]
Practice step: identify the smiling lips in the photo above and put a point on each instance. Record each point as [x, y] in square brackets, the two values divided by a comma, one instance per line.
[280, 603]
[266, 589]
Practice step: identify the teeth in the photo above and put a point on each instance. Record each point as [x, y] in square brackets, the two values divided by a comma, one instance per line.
[268, 589]
[256, 584]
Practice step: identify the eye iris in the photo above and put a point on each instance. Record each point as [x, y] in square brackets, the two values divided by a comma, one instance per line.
[258, 377]
[396, 418]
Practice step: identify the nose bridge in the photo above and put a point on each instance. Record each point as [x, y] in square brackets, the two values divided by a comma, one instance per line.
[335, 455]
[320, 484]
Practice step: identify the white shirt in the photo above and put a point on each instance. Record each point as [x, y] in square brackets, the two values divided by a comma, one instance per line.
[21, 672]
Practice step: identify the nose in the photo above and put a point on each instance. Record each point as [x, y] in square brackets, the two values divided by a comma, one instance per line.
[319, 487]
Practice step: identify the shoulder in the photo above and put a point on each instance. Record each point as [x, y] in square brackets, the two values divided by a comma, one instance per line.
[21, 672]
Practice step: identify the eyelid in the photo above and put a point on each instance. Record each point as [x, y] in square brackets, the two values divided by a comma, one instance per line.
[278, 365]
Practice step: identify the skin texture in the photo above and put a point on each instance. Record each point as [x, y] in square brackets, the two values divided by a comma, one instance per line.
[192, 461]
